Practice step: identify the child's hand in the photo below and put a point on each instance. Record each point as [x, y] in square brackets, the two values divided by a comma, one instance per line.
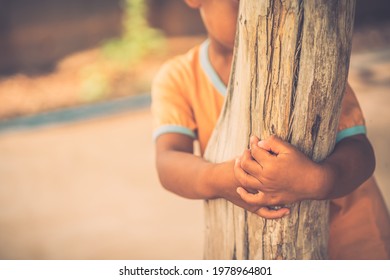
[274, 173]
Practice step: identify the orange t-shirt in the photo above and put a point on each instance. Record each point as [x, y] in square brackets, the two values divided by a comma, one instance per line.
[187, 98]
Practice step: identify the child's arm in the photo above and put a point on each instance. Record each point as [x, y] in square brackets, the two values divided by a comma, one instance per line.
[283, 175]
[191, 176]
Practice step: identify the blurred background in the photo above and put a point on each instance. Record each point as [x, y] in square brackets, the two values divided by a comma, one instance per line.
[77, 175]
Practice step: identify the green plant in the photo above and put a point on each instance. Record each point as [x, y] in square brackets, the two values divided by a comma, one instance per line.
[138, 38]
[94, 85]
[137, 41]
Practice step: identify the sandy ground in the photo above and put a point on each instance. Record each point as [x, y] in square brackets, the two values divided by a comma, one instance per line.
[89, 190]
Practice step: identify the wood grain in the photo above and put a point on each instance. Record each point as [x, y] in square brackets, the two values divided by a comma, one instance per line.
[288, 78]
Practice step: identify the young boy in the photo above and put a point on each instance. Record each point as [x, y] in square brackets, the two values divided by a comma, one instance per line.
[188, 94]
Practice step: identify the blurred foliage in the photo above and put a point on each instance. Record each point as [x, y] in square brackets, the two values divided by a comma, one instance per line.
[138, 38]
[137, 41]
[94, 85]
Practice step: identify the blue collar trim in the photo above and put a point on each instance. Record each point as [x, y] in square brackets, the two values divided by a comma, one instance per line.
[209, 70]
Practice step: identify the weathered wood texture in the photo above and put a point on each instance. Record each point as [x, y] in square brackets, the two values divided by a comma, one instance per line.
[288, 78]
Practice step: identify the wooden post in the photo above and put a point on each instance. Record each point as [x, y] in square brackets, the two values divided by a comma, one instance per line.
[288, 78]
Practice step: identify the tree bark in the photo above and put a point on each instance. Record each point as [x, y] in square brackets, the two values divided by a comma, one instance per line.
[288, 78]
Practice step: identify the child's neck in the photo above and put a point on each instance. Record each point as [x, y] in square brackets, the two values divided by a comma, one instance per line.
[221, 60]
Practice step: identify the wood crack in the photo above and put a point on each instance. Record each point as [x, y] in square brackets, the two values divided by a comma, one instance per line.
[297, 61]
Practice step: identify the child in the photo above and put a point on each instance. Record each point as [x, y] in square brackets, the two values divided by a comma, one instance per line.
[188, 94]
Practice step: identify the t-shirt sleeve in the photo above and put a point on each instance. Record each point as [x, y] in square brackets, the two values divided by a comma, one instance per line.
[351, 119]
[171, 107]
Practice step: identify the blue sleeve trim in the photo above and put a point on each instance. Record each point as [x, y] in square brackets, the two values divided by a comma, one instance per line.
[360, 129]
[173, 129]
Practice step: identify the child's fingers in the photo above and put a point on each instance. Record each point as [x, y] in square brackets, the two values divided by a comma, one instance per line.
[251, 198]
[250, 165]
[267, 213]
[274, 145]
[259, 199]
[260, 155]
[246, 180]
[253, 140]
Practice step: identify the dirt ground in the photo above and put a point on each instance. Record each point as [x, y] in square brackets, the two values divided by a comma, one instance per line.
[89, 189]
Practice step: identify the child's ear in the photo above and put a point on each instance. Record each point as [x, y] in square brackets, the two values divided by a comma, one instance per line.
[195, 4]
